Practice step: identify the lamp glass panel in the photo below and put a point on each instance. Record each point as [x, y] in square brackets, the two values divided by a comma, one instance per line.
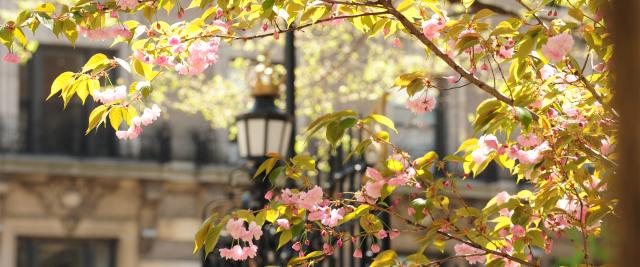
[274, 135]
[257, 137]
[284, 147]
[242, 138]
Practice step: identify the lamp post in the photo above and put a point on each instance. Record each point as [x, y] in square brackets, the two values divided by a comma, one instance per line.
[265, 128]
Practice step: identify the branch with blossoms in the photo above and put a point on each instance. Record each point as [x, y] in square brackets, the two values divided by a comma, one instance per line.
[554, 122]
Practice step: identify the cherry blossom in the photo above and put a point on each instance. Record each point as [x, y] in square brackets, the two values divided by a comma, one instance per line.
[421, 103]
[432, 27]
[557, 47]
[127, 4]
[110, 95]
[464, 249]
[11, 58]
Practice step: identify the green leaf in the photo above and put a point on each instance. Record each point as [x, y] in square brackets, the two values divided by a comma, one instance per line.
[384, 120]
[96, 117]
[266, 167]
[115, 118]
[273, 175]
[285, 237]
[267, 5]
[95, 61]
[418, 259]
[63, 80]
[306, 162]
[357, 213]
[70, 31]
[211, 240]
[524, 116]
[385, 259]
[467, 3]
[201, 235]
[483, 13]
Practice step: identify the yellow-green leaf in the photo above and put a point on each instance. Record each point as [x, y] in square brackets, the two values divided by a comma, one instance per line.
[63, 80]
[384, 121]
[96, 117]
[95, 61]
[384, 259]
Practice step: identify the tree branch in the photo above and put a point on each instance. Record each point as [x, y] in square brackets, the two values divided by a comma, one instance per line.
[455, 66]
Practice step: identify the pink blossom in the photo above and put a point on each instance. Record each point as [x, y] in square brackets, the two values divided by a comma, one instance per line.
[357, 253]
[110, 95]
[505, 212]
[11, 58]
[283, 223]
[127, 4]
[332, 218]
[374, 174]
[373, 189]
[276, 35]
[557, 47]
[255, 230]
[464, 249]
[394, 233]
[502, 197]
[518, 232]
[396, 43]
[174, 40]
[452, 79]
[547, 71]
[488, 142]
[505, 52]
[606, 148]
[296, 246]
[375, 248]
[528, 140]
[219, 12]
[268, 195]
[382, 234]
[432, 27]
[484, 67]
[235, 227]
[327, 249]
[132, 133]
[411, 211]
[600, 67]
[421, 103]
[479, 155]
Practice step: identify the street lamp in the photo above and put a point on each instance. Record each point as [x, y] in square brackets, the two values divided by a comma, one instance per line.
[265, 128]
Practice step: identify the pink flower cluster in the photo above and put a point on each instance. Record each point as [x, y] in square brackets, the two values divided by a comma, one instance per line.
[11, 58]
[105, 33]
[148, 116]
[312, 201]
[557, 47]
[431, 28]
[421, 103]
[201, 55]
[110, 95]
[531, 156]
[464, 249]
[489, 143]
[127, 4]
[486, 144]
[372, 190]
[237, 230]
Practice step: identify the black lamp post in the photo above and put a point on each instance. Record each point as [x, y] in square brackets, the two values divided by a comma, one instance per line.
[265, 128]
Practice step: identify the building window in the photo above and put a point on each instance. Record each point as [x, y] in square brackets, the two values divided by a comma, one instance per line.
[46, 128]
[43, 252]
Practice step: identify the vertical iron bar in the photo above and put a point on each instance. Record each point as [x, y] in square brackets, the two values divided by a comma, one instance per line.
[290, 66]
